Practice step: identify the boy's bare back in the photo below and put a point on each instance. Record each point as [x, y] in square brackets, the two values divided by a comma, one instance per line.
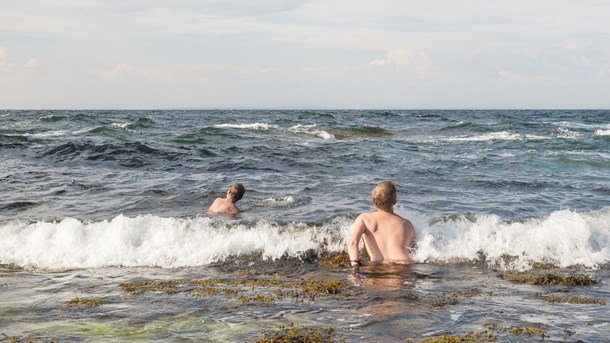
[387, 236]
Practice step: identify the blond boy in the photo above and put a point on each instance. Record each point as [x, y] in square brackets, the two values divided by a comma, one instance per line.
[227, 205]
[387, 236]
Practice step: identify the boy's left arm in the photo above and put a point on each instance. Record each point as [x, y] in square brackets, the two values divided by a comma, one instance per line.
[354, 242]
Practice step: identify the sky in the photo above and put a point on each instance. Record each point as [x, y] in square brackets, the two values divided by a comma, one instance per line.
[382, 54]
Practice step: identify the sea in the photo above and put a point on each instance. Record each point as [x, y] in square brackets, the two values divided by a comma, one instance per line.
[104, 235]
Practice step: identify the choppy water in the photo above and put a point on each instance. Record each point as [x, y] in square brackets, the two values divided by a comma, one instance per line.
[95, 199]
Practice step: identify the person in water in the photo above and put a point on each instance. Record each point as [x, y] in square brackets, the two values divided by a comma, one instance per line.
[226, 205]
[387, 236]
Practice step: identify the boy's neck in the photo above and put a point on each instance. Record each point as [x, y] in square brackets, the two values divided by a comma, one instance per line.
[391, 211]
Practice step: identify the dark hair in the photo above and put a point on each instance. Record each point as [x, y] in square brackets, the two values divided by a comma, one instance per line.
[236, 191]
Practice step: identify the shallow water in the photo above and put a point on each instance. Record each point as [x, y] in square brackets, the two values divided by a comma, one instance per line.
[390, 304]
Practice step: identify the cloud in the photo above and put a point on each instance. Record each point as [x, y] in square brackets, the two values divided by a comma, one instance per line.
[406, 61]
[119, 71]
[9, 66]
[32, 63]
[523, 79]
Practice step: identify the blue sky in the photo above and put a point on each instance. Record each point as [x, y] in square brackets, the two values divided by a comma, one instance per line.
[90, 54]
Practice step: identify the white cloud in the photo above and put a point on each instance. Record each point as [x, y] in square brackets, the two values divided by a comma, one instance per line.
[523, 79]
[406, 61]
[2, 56]
[119, 71]
[32, 63]
[11, 66]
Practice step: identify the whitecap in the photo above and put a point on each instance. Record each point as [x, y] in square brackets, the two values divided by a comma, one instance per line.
[565, 238]
[312, 130]
[57, 133]
[155, 241]
[252, 126]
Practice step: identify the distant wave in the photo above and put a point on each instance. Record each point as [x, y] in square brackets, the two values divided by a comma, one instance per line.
[55, 133]
[312, 130]
[565, 133]
[602, 132]
[361, 132]
[300, 129]
[511, 136]
[564, 238]
[502, 135]
[253, 126]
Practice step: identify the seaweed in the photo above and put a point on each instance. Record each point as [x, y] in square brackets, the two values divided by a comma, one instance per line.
[304, 334]
[484, 336]
[85, 302]
[147, 286]
[265, 290]
[570, 299]
[488, 334]
[517, 330]
[549, 279]
[335, 260]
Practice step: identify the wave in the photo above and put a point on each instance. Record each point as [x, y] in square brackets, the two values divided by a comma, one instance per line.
[311, 130]
[564, 238]
[578, 125]
[602, 133]
[56, 133]
[502, 135]
[253, 126]
[343, 133]
[154, 241]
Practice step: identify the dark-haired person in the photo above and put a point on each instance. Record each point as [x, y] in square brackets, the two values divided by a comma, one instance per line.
[227, 205]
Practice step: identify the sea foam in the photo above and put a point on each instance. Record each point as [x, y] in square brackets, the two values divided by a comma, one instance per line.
[564, 238]
[154, 241]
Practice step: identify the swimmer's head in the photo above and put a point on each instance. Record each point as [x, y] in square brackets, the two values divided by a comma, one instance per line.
[384, 195]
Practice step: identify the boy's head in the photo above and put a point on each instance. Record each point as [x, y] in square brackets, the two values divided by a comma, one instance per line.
[236, 192]
[384, 195]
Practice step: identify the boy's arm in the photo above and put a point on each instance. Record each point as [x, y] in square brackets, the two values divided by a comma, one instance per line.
[409, 238]
[354, 242]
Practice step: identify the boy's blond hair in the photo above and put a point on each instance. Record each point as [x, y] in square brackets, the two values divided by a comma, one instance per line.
[384, 195]
[236, 191]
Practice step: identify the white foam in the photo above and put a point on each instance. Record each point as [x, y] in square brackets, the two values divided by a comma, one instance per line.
[299, 129]
[57, 133]
[253, 126]
[120, 125]
[565, 133]
[312, 130]
[564, 238]
[280, 201]
[602, 132]
[153, 241]
[502, 135]
[574, 125]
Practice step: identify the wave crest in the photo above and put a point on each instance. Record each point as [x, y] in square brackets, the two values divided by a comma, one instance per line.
[563, 238]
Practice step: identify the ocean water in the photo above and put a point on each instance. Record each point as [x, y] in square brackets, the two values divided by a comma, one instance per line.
[93, 201]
